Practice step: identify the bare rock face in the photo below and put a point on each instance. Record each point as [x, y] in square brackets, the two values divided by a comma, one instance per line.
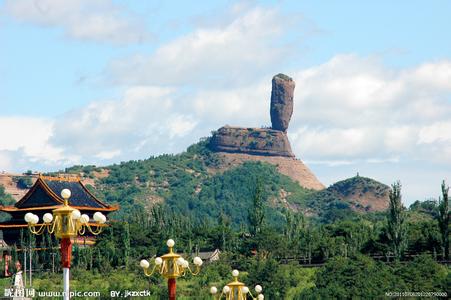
[281, 101]
[271, 145]
[256, 141]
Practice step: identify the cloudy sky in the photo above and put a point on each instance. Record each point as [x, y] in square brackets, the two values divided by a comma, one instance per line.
[103, 81]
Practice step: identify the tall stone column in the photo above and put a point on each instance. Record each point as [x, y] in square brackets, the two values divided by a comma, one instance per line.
[281, 101]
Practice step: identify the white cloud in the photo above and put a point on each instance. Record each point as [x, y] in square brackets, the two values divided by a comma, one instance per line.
[332, 142]
[142, 123]
[180, 126]
[108, 154]
[29, 134]
[357, 108]
[348, 110]
[230, 53]
[436, 132]
[241, 106]
[400, 139]
[29, 137]
[97, 20]
[5, 161]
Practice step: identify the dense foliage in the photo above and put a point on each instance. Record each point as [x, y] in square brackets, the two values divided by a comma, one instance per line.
[351, 258]
[318, 248]
[198, 183]
[5, 199]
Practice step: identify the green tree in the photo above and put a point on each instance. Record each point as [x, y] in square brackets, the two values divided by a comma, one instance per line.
[396, 229]
[24, 182]
[294, 225]
[257, 211]
[422, 274]
[358, 277]
[443, 219]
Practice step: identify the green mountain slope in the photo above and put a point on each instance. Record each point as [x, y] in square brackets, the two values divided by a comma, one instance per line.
[198, 183]
[193, 183]
[355, 194]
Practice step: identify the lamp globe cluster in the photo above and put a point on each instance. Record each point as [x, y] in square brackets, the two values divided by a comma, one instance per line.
[65, 221]
[177, 263]
[237, 290]
[171, 266]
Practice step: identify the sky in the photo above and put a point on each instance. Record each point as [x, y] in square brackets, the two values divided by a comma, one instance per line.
[102, 81]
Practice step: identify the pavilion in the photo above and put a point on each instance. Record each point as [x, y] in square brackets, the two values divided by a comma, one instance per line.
[43, 197]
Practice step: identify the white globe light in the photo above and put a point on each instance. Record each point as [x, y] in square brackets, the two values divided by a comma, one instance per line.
[76, 214]
[65, 193]
[84, 219]
[226, 289]
[245, 290]
[260, 297]
[198, 261]
[180, 261]
[213, 290]
[258, 288]
[158, 261]
[97, 216]
[235, 273]
[103, 220]
[185, 264]
[34, 219]
[28, 217]
[144, 264]
[48, 218]
[170, 243]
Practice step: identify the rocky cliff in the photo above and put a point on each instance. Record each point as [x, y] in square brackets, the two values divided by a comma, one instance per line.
[271, 145]
[257, 141]
[262, 141]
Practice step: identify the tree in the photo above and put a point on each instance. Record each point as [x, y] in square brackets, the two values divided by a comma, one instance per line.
[24, 182]
[396, 229]
[443, 219]
[422, 274]
[359, 277]
[257, 211]
[295, 223]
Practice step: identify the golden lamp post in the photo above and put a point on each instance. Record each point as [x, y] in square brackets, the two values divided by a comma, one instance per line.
[65, 222]
[171, 266]
[236, 290]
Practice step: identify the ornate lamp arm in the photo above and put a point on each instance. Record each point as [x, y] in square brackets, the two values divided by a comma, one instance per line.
[97, 231]
[51, 227]
[196, 271]
[37, 231]
[81, 230]
[147, 273]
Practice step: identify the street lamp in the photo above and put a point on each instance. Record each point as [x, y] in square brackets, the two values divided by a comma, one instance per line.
[236, 290]
[171, 266]
[65, 222]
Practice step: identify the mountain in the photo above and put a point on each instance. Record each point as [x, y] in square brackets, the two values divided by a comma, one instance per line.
[271, 145]
[362, 193]
[205, 184]
[219, 175]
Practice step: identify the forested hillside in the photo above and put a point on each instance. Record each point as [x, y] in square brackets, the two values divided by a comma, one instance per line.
[195, 183]
[264, 224]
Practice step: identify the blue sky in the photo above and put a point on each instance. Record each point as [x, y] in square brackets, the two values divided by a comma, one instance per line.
[100, 81]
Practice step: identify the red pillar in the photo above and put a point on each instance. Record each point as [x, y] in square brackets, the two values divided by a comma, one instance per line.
[171, 288]
[66, 252]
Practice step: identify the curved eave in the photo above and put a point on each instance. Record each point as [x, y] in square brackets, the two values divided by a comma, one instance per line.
[89, 208]
[26, 225]
[38, 182]
[57, 198]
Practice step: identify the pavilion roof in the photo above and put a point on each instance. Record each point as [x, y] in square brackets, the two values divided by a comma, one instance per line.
[46, 194]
